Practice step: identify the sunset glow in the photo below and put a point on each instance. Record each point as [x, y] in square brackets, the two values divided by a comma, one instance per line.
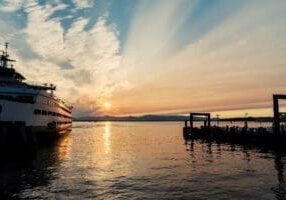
[152, 56]
[107, 105]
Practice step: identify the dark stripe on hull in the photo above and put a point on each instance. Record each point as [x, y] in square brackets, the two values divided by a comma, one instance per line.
[17, 134]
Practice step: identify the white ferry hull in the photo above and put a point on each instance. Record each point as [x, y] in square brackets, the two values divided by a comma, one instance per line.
[23, 112]
[29, 112]
[38, 120]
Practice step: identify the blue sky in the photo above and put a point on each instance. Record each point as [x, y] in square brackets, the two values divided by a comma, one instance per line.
[199, 17]
[141, 55]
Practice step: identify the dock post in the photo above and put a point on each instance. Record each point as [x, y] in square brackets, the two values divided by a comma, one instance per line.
[209, 120]
[276, 119]
[186, 130]
[245, 124]
[22, 130]
[191, 121]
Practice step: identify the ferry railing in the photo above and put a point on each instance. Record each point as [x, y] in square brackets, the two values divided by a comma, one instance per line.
[48, 87]
[43, 85]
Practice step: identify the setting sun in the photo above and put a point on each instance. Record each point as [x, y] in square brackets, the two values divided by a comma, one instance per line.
[165, 99]
[107, 105]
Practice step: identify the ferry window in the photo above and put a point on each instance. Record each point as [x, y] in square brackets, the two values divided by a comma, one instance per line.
[10, 98]
[44, 112]
[26, 99]
[54, 114]
[50, 113]
[37, 112]
[22, 99]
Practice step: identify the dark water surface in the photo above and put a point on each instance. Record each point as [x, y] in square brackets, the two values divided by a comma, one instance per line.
[140, 160]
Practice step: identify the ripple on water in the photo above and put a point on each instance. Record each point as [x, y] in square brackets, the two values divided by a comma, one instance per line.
[120, 160]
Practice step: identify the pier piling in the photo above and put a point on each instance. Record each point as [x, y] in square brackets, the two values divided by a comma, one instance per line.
[276, 113]
[244, 134]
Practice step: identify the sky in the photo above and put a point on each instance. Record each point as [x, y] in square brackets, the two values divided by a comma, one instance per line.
[135, 57]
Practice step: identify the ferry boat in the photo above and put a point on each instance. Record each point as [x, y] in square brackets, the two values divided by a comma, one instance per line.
[33, 106]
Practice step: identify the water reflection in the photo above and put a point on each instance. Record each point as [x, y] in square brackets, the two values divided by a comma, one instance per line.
[108, 160]
[19, 176]
[279, 161]
[107, 126]
[277, 156]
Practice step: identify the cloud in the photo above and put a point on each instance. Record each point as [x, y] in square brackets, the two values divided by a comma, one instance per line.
[237, 64]
[153, 28]
[91, 56]
[230, 59]
[10, 6]
[39, 25]
[81, 4]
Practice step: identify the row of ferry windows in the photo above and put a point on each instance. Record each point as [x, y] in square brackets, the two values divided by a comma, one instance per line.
[18, 98]
[52, 104]
[28, 99]
[44, 112]
[59, 123]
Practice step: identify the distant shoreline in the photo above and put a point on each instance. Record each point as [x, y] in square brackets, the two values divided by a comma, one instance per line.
[165, 118]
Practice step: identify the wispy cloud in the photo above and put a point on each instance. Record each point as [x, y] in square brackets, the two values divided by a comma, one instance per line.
[10, 6]
[81, 4]
[177, 55]
[90, 56]
[153, 28]
[236, 63]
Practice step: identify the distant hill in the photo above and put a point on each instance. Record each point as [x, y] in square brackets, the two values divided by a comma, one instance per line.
[164, 118]
[251, 119]
[134, 118]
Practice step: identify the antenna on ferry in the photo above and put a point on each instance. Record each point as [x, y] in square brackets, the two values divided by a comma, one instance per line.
[6, 47]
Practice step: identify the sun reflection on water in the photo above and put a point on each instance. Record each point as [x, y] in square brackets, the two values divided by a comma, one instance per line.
[119, 160]
[106, 136]
[64, 148]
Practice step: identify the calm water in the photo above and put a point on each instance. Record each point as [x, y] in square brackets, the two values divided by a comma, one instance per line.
[130, 160]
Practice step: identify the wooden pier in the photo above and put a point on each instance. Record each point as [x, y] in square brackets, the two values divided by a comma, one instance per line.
[242, 135]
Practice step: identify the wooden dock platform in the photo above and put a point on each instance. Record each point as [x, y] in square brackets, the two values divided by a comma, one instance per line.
[275, 135]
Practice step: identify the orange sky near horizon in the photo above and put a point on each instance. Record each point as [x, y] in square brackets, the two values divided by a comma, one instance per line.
[152, 57]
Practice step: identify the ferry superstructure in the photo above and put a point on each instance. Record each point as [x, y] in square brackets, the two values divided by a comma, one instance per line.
[33, 105]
